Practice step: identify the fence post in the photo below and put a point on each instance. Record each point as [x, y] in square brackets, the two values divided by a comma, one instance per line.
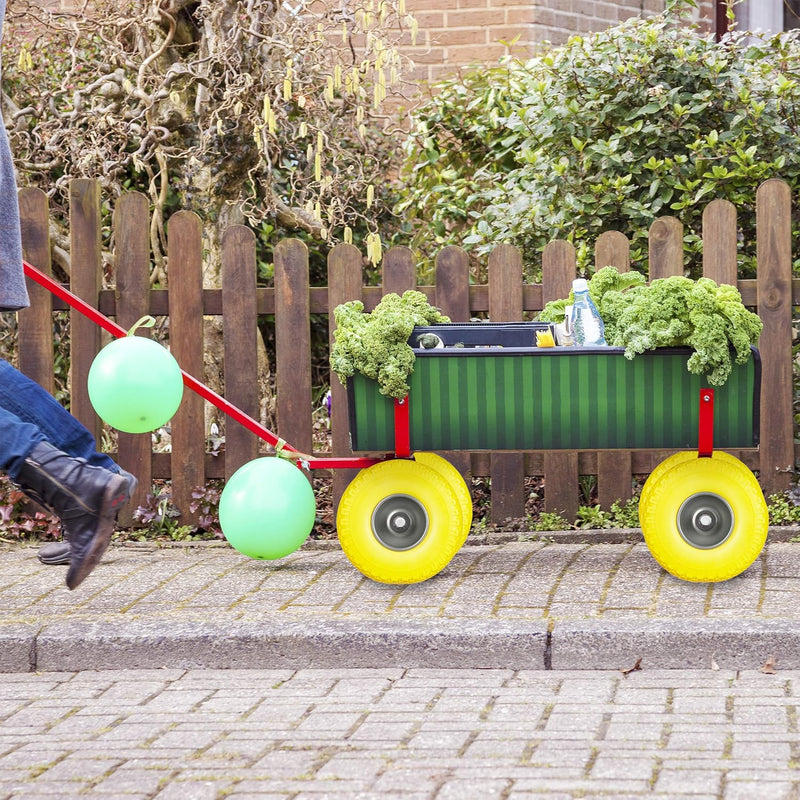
[85, 280]
[132, 266]
[560, 467]
[186, 343]
[612, 249]
[344, 284]
[665, 253]
[505, 305]
[452, 298]
[774, 256]
[240, 341]
[398, 273]
[36, 323]
[614, 469]
[719, 242]
[293, 344]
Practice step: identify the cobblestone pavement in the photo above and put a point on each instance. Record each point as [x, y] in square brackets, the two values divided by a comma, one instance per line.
[417, 734]
[519, 605]
[508, 581]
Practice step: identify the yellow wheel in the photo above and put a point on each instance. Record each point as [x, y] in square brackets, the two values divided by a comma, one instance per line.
[705, 519]
[456, 481]
[668, 463]
[399, 522]
[665, 466]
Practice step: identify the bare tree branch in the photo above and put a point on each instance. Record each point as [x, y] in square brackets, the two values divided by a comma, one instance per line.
[209, 104]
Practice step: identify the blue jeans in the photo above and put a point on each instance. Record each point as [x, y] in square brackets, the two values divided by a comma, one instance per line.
[29, 415]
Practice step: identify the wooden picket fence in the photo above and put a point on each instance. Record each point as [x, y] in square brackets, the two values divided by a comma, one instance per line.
[505, 297]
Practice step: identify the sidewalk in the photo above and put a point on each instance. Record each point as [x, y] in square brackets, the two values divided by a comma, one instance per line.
[548, 604]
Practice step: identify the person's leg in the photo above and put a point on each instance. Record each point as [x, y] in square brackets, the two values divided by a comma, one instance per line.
[17, 439]
[87, 498]
[28, 401]
[38, 416]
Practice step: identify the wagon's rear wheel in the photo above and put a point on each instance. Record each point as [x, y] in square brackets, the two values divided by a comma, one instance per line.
[668, 463]
[456, 481]
[705, 519]
[665, 466]
[399, 522]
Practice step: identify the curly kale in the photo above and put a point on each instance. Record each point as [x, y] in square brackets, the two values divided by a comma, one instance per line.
[609, 279]
[655, 316]
[376, 344]
[675, 312]
[604, 282]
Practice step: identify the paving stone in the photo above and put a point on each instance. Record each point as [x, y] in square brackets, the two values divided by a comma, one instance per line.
[401, 747]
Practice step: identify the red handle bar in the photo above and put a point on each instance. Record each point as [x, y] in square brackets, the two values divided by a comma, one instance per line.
[192, 383]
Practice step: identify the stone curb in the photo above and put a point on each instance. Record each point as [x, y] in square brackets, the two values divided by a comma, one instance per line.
[71, 646]
[675, 644]
[435, 644]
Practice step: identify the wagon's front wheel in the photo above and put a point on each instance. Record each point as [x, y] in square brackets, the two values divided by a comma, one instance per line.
[457, 484]
[705, 519]
[399, 522]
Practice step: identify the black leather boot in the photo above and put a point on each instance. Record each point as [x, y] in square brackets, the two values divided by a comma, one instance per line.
[57, 553]
[54, 553]
[86, 498]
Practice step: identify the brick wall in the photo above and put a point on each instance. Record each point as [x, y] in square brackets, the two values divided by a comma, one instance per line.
[454, 33]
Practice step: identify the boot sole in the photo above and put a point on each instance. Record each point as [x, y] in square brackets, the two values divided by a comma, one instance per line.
[55, 560]
[114, 498]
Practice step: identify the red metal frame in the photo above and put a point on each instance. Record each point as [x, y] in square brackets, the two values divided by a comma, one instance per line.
[402, 432]
[195, 385]
[705, 432]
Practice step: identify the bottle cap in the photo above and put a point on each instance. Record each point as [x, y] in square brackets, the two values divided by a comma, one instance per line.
[580, 285]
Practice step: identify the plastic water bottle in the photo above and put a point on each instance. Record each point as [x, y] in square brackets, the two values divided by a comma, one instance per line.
[586, 325]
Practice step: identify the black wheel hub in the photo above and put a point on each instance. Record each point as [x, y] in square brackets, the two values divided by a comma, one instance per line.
[705, 520]
[399, 522]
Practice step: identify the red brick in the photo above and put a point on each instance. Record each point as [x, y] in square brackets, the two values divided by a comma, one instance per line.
[428, 20]
[611, 12]
[509, 3]
[470, 19]
[431, 5]
[543, 16]
[521, 16]
[449, 37]
[418, 74]
[431, 55]
[487, 53]
[508, 32]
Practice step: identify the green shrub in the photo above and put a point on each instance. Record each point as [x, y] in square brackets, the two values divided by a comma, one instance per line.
[645, 119]
[783, 508]
[550, 521]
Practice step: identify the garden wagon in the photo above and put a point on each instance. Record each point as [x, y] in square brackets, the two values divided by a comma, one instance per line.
[408, 510]
[702, 511]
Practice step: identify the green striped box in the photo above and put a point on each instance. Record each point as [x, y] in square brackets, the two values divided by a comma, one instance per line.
[556, 398]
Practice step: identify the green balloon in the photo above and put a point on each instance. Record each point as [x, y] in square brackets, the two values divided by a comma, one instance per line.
[135, 384]
[267, 508]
